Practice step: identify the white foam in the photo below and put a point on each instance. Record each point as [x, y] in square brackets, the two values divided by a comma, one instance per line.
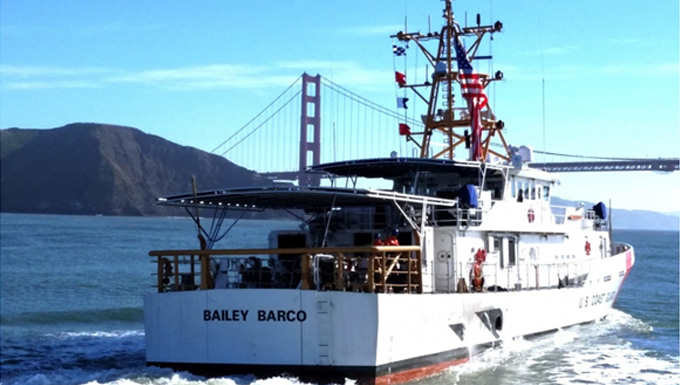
[616, 318]
[617, 364]
[101, 334]
[189, 379]
[279, 381]
[592, 353]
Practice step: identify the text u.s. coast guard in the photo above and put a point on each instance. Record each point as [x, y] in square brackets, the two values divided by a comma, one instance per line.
[239, 315]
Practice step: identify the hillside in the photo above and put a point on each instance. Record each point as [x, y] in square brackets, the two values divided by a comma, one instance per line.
[88, 168]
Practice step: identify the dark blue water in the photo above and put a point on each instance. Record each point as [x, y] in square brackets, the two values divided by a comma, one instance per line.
[71, 310]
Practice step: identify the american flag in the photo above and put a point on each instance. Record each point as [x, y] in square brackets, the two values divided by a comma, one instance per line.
[473, 91]
[470, 83]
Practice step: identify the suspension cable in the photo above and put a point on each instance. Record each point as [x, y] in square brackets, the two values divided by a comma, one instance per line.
[351, 95]
[261, 124]
[258, 115]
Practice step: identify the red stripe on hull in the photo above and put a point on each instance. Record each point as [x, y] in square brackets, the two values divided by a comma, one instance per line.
[417, 373]
[629, 266]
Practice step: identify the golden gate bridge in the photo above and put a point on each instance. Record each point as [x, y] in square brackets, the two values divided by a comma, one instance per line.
[284, 139]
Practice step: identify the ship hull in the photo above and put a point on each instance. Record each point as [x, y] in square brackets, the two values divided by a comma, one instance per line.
[327, 336]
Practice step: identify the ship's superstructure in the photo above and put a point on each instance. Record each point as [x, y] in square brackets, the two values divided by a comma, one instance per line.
[390, 285]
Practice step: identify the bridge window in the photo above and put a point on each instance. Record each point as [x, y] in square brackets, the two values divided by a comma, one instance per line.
[546, 193]
[523, 186]
[496, 188]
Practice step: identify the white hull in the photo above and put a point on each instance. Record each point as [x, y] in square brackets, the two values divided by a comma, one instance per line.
[376, 338]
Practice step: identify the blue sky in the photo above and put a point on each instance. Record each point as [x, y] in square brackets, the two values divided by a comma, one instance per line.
[193, 72]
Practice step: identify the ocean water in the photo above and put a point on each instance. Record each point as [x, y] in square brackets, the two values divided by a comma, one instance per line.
[71, 310]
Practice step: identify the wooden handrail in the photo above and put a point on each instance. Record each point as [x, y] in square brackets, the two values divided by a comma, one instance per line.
[381, 253]
[297, 250]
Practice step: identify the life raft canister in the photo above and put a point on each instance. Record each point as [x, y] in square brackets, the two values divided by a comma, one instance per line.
[530, 215]
[587, 248]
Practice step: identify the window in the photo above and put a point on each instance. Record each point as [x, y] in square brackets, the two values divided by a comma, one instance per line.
[498, 246]
[511, 252]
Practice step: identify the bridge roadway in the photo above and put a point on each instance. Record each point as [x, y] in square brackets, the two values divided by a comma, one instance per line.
[663, 165]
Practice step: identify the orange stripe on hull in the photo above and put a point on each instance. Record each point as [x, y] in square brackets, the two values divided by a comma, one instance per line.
[417, 373]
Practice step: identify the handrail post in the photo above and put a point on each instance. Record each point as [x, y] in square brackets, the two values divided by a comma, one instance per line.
[176, 275]
[536, 274]
[383, 272]
[409, 261]
[193, 270]
[339, 279]
[205, 271]
[371, 272]
[419, 258]
[305, 272]
[160, 274]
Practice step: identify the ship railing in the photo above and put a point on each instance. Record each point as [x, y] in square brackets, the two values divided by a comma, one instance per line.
[457, 216]
[561, 274]
[586, 218]
[373, 269]
[560, 215]
[530, 276]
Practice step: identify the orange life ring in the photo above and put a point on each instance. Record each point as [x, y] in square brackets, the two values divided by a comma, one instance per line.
[587, 248]
[530, 215]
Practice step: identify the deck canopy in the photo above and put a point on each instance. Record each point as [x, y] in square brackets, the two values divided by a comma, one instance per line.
[399, 168]
[294, 197]
[273, 197]
[298, 197]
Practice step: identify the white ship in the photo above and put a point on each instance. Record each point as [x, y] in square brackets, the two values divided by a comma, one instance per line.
[390, 285]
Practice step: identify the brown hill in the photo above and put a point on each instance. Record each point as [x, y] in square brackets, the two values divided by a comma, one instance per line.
[88, 168]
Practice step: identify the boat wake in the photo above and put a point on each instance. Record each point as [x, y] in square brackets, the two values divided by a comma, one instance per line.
[592, 354]
[88, 316]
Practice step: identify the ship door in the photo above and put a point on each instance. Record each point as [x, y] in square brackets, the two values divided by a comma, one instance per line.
[603, 247]
[445, 262]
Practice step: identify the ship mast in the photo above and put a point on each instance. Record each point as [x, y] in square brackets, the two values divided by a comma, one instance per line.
[453, 70]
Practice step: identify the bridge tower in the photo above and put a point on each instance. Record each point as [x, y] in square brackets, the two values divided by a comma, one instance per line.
[310, 129]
